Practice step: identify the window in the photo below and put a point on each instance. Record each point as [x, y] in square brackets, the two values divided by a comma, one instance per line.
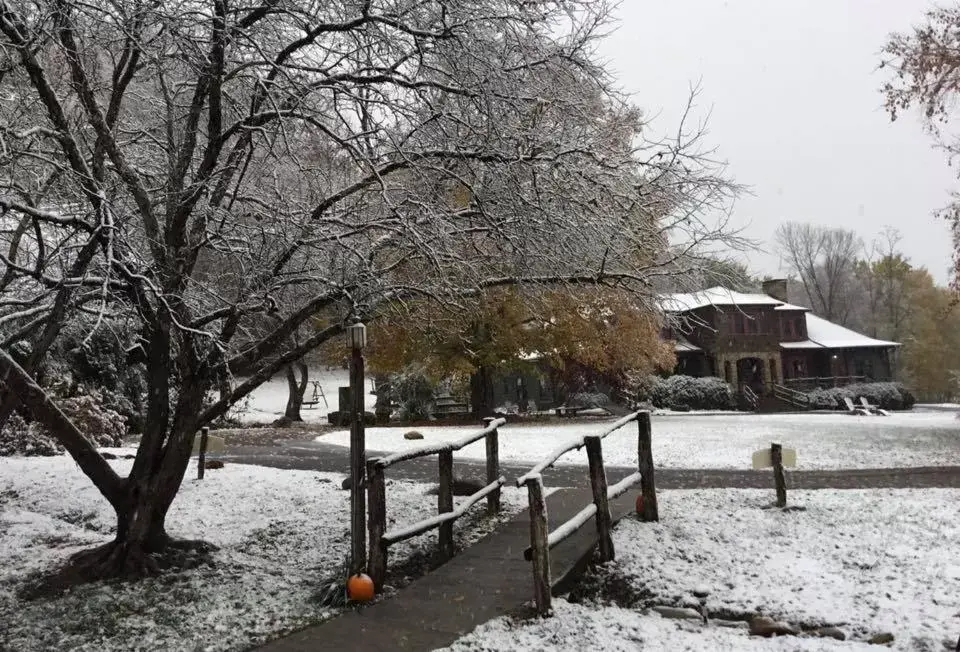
[788, 328]
[738, 326]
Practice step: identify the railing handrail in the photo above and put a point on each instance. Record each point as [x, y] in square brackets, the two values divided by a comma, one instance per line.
[380, 539]
[579, 519]
[541, 537]
[807, 379]
[433, 449]
[791, 395]
[575, 444]
[427, 524]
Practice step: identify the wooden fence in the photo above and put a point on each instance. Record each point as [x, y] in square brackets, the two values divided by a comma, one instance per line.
[542, 540]
[380, 540]
[824, 382]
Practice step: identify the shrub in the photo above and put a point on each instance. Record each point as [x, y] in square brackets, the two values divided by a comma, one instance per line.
[412, 390]
[589, 399]
[682, 393]
[100, 425]
[888, 396]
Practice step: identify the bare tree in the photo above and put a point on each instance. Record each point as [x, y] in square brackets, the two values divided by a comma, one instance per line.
[225, 173]
[823, 258]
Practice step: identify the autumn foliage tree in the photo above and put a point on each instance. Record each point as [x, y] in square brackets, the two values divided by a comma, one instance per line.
[601, 331]
[925, 67]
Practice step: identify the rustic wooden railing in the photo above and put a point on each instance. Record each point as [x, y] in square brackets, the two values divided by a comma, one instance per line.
[825, 382]
[542, 540]
[380, 539]
[793, 397]
[751, 396]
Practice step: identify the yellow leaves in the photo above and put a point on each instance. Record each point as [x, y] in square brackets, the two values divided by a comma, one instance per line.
[603, 329]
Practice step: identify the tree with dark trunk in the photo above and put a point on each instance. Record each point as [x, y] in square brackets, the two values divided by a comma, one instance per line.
[223, 176]
[297, 377]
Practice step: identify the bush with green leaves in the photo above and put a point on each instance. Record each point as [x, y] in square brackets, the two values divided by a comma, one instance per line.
[589, 399]
[888, 396]
[102, 426]
[94, 360]
[412, 390]
[682, 393]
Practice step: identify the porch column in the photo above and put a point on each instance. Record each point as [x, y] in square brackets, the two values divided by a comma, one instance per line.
[765, 373]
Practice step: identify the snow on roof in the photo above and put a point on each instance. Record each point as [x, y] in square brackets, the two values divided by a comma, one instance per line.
[821, 333]
[805, 344]
[790, 306]
[683, 345]
[833, 336]
[716, 296]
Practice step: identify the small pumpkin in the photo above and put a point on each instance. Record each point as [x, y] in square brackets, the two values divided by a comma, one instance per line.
[360, 588]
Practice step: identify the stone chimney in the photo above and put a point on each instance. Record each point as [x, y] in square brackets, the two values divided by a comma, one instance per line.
[776, 288]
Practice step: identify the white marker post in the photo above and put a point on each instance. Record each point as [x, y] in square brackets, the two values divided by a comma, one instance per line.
[777, 457]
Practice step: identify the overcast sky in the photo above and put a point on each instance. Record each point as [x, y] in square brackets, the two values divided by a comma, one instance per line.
[793, 95]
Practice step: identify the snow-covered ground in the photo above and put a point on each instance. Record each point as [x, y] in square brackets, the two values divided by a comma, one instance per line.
[822, 441]
[280, 533]
[266, 403]
[866, 561]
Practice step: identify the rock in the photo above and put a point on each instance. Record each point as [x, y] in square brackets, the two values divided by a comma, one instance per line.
[346, 484]
[213, 464]
[128, 456]
[701, 591]
[831, 632]
[108, 456]
[732, 624]
[886, 638]
[413, 434]
[679, 613]
[764, 626]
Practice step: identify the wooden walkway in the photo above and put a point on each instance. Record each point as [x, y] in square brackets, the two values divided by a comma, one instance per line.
[487, 580]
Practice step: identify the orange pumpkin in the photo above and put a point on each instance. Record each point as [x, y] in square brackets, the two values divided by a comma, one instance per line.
[360, 588]
[640, 505]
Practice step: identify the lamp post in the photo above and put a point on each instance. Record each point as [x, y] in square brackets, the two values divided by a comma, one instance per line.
[357, 335]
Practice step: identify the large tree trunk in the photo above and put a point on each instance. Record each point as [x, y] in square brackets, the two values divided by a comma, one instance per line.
[481, 392]
[295, 388]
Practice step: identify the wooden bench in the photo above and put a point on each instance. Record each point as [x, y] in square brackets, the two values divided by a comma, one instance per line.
[569, 411]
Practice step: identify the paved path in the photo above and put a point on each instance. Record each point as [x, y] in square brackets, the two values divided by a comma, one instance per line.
[316, 456]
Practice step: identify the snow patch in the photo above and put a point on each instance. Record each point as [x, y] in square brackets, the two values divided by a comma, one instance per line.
[281, 535]
[869, 561]
[822, 441]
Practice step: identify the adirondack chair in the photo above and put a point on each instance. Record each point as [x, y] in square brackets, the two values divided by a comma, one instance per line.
[853, 409]
[873, 409]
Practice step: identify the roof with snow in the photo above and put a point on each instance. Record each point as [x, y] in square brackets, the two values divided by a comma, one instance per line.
[832, 336]
[821, 334]
[683, 345]
[716, 296]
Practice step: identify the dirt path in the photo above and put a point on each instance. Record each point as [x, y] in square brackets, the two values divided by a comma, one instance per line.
[315, 456]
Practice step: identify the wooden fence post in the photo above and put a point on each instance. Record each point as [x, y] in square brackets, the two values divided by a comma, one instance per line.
[776, 458]
[539, 545]
[598, 482]
[648, 486]
[445, 502]
[493, 467]
[377, 504]
[202, 458]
